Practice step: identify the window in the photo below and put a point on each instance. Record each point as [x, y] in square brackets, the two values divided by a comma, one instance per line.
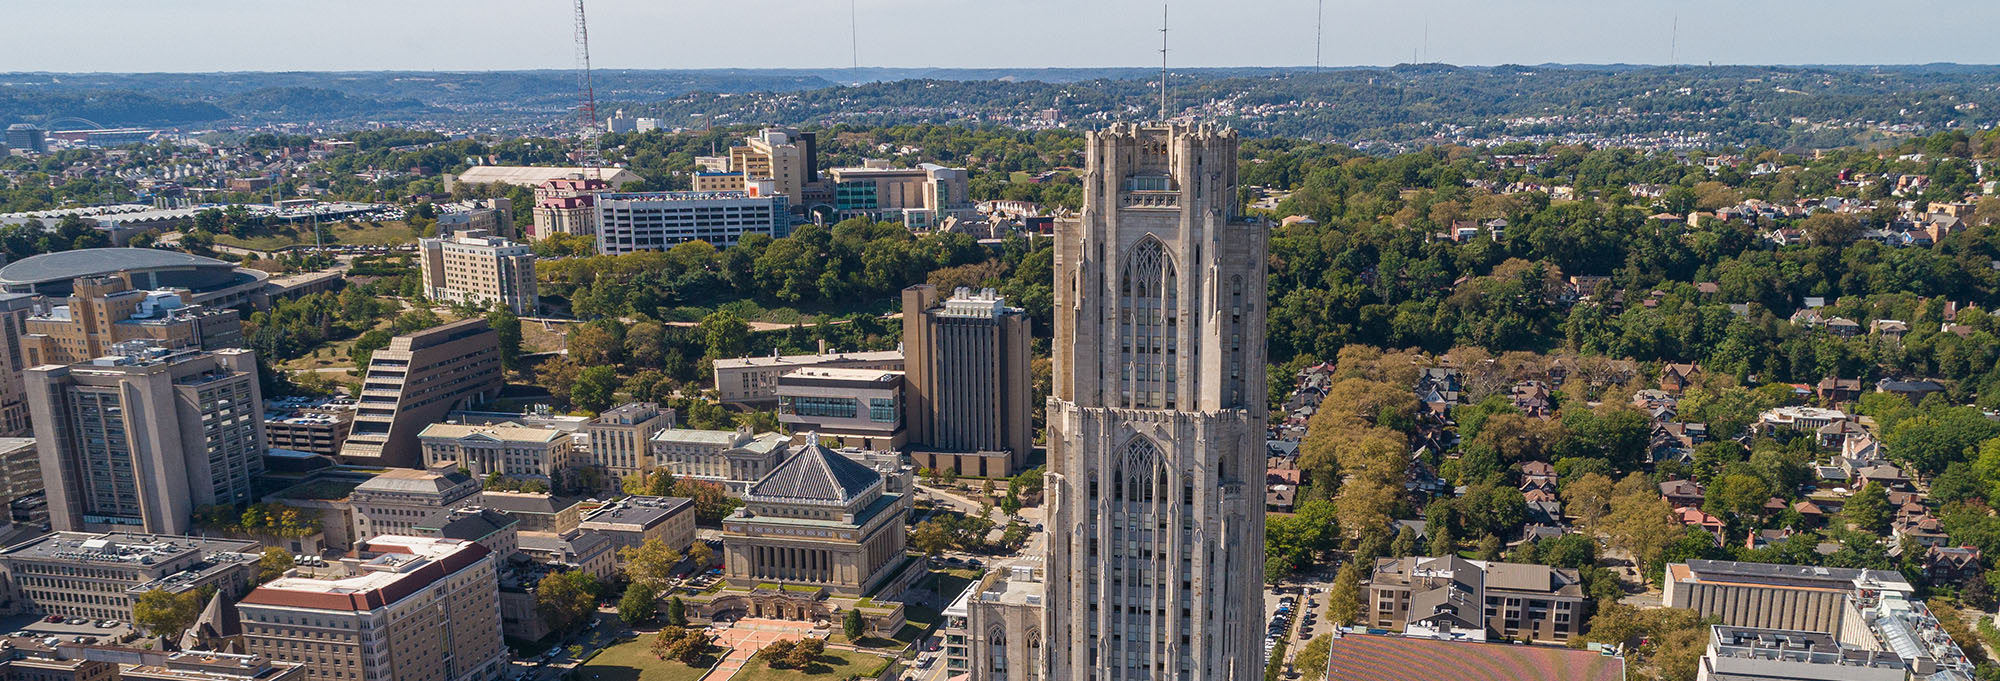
[882, 411]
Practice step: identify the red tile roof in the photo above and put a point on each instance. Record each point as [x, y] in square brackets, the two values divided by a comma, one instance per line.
[1363, 657]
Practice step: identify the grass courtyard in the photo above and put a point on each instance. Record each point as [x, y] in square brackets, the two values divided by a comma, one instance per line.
[633, 661]
[834, 665]
[364, 234]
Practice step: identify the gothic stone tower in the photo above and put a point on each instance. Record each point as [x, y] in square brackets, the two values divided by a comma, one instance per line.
[1156, 424]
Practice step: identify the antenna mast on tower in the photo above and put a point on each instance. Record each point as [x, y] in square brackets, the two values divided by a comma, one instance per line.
[1319, 24]
[591, 160]
[1163, 62]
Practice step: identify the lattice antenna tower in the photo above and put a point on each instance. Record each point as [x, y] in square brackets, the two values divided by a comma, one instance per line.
[591, 159]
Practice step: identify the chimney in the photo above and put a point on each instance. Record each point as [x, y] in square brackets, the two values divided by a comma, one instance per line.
[822, 346]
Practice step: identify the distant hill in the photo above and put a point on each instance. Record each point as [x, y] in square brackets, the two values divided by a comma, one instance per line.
[1802, 106]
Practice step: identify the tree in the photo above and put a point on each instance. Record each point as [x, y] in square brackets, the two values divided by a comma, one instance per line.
[1868, 510]
[1640, 521]
[1343, 601]
[1834, 229]
[1311, 660]
[1588, 497]
[701, 555]
[1490, 547]
[273, 564]
[565, 600]
[1405, 544]
[650, 564]
[853, 625]
[559, 377]
[638, 605]
[1738, 494]
[726, 335]
[677, 612]
[163, 613]
[712, 503]
[508, 327]
[595, 388]
[805, 653]
[364, 347]
[680, 643]
[1932, 440]
[1442, 543]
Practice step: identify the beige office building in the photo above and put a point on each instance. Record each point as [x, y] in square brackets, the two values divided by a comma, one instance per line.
[1430, 597]
[921, 197]
[38, 665]
[415, 382]
[511, 450]
[967, 385]
[208, 665]
[1768, 596]
[619, 440]
[101, 575]
[405, 608]
[104, 311]
[785, 156]
[493, 216]
[15, 308]
[633, 520]
[20, 468]
[481, 270]
[318, 427]
[819, 520]
[398, 499]
[753, 381]
[536, 511]
[854, 407]
[136, 440]
[735, 459]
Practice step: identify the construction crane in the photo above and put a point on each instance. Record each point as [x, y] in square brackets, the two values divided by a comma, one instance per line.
[589, 156]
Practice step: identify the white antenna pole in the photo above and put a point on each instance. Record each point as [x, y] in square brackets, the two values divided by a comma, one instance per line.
[854, 35]
[1163, 62]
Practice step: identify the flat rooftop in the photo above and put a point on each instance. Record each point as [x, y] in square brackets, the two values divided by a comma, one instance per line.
[1794, 576]
[808, 360]
[643, 511]
[395, 567]
[106, 548]
[503, 432]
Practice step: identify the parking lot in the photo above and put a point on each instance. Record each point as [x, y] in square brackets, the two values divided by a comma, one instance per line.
[1299, 606]
[68, 630]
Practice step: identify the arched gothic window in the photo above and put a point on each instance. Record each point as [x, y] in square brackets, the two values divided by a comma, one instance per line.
[1148, 298]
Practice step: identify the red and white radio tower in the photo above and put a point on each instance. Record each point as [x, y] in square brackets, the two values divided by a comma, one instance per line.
[591, 159]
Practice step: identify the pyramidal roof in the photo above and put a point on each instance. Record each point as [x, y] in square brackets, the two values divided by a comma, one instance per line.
[816, 473]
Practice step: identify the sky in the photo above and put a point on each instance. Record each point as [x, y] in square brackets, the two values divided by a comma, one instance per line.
[300, 35]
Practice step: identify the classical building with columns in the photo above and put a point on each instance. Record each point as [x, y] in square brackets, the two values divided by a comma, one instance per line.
[818, 520]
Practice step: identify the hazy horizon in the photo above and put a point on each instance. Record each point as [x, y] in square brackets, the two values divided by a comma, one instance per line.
[215, 36]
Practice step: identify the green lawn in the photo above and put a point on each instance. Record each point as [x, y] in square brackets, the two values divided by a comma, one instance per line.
[633, 661]
[388, 234]
[835, 664]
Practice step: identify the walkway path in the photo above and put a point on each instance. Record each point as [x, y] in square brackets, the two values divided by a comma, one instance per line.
[747, 636]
